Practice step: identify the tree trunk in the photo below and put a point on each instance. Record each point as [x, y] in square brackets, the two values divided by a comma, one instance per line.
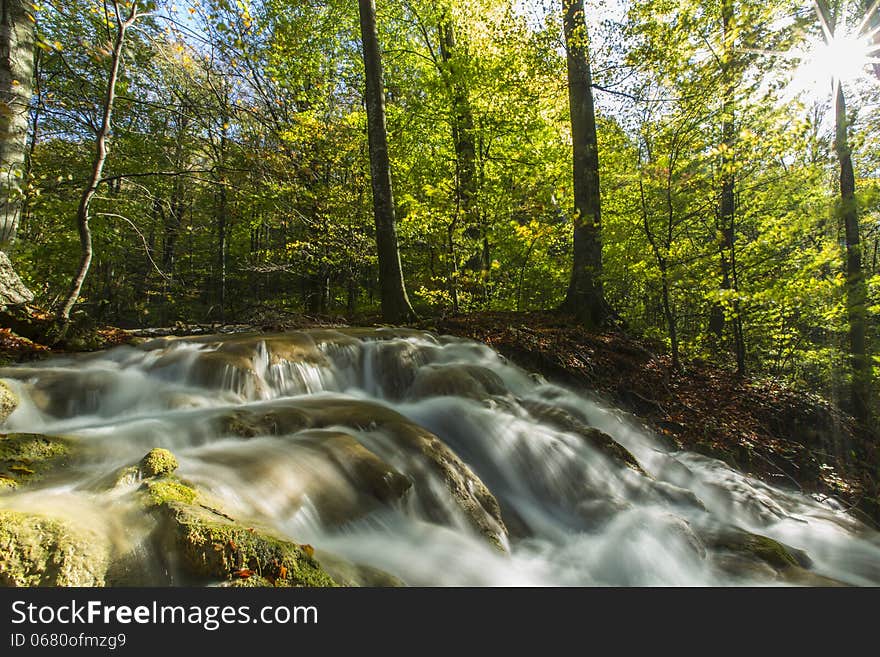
[727, 205]
[585, 298]
[16, 85]
[82, 215]
[395, 302]
[464, 142]
[222, 219]
[178, 201]
[856, 289]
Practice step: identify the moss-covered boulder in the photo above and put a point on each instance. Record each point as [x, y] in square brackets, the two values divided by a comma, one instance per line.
[158, 462]
[27, 457]
[204, 543]
[755, 558]
[42, 551]
[8, 401]
[756, 547]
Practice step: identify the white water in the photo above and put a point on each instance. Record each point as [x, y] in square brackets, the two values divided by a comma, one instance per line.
[575, 515]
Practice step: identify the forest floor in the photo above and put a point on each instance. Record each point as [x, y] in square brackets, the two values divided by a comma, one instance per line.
[785, 436]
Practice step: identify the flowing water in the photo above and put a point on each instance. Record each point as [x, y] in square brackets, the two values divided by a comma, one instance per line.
[389, 448]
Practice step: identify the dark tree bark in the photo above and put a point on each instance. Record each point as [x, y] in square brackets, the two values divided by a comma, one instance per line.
[16, 86]
[585, 298]
[82, 215]
[856, 288]
[174, 221]
[395, 302]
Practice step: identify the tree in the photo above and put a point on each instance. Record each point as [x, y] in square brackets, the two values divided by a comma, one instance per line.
[16, 83]
[585, 298]
[727, 204]
[395, 302]
[122, 23]
[856, 287]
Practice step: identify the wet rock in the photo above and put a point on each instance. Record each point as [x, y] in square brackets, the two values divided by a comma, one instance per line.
[346, 573]
[226, 371]
[424, 451]
[757, 547]
[158, 461]
[327, 471]
[42, 551]
[364, 470]
[28, 457]
[206, 544]
[470, 381]
[754, 558]
[562, 419]
[395, 365]
[8, 400]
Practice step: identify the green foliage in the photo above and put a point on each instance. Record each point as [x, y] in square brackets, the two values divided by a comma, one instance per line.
[238, 174]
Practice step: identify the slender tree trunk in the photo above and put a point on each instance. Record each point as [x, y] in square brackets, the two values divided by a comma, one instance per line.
[82, 215]
[727, 204]
[178, 201]
[464, 142]
[856, 288]
[395, 302]
[452, 265]
[585, 298]
[16, 86]
[671, 324]
[222, 219]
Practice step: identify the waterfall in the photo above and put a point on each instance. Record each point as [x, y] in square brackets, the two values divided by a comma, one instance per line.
[430, 458]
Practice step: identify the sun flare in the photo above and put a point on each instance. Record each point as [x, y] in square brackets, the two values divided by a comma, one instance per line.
[839, 58]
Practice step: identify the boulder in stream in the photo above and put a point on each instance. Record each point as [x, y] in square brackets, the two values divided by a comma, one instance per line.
[27, 457]
[158, 461]
[42, 551]
[205, 543]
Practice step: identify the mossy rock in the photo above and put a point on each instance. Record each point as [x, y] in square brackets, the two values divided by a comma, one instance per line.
[27, 457]
[158, 462]
[746, 555]
[206, 544]
[762, 548]
[8, 401]
[42, 551]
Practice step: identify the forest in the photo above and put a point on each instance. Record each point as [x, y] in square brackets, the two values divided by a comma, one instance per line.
[674, 203]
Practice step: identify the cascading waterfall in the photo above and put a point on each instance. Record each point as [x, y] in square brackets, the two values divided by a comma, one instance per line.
[430, 458]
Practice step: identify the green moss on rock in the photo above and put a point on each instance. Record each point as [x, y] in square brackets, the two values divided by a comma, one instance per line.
[212, 546]
[207, 544]
[168, 489]
[27, 457]
[158, 462]
[41, 551]
[758, 548]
